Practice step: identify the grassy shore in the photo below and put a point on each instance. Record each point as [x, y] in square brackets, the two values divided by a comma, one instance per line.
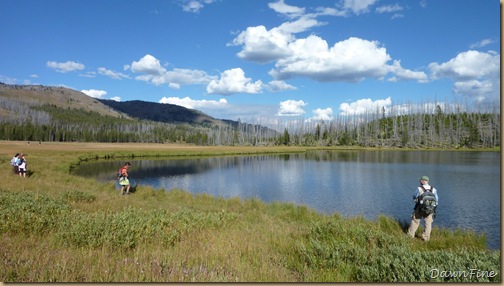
[56, 227]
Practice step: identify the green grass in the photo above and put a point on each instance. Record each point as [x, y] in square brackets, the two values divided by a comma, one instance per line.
[56, 227]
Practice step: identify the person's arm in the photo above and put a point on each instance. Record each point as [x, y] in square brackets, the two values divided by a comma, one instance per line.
[415, 196]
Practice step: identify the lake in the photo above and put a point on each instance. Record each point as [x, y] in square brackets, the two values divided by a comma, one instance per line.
[352, 183]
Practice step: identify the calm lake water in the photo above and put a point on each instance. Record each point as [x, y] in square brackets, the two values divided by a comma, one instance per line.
[352, 183]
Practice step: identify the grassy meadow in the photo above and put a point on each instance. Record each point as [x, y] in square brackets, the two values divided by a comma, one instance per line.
[57, 227]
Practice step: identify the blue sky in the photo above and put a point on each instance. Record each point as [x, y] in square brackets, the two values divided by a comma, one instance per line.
[260, 61]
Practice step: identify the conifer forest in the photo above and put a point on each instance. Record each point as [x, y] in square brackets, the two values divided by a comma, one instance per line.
[436, 126]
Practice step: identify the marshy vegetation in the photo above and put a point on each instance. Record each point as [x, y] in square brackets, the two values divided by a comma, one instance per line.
[56, 227]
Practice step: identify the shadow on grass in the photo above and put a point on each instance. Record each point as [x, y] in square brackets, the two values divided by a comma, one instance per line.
[405, 224]
[132, 189]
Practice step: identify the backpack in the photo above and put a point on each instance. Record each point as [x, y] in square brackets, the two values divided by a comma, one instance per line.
[427, 201]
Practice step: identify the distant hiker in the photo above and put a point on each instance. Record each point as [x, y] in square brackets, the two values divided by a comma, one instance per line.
[123, 178]
[22, 165]
[426, 201]
[15, 163]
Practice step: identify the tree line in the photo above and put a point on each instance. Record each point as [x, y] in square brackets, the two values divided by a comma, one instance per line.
[411, 129]
[467, 130]
[439, 129]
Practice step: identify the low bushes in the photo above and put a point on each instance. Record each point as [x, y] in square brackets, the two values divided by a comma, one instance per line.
[30, 213]
[35, 214]
[368, 254]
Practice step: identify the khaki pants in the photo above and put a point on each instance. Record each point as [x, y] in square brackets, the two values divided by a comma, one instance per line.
[415, 222]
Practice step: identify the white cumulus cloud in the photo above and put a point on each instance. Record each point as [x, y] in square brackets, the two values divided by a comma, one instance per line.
[234, 81]
[364, 106]
[325, 114]
[476, 74]
[262, 46]
[291, 108]
[195, 104]
[279, 85]
[351, 60]
[66, 66]
[479, 90]
[405, 74]
[467, 65]
[94, 93]
[149, 65]
[282, 8]
[153, 72]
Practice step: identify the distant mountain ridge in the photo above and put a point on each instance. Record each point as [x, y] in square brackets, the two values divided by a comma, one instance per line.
[161, 112]
[65, 98]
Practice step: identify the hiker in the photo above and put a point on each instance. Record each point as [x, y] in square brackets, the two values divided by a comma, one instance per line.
[15, 163]
[426, 201]
[123, 178]
[22, 165]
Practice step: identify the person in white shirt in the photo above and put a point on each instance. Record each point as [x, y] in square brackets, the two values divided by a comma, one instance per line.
[22, 165]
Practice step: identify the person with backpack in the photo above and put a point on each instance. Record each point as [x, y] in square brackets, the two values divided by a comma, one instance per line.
[426, 201]
[15, 162]
[122, 175]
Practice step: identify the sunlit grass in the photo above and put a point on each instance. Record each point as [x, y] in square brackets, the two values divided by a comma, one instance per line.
[56, 227]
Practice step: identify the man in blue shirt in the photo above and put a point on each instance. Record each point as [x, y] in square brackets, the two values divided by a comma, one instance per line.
[418, 214]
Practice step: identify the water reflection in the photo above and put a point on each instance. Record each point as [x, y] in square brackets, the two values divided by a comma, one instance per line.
[367, 183]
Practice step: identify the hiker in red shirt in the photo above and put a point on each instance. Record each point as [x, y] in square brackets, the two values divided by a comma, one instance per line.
[123, 178]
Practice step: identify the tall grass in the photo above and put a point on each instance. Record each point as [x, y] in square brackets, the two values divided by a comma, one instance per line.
[56, 227]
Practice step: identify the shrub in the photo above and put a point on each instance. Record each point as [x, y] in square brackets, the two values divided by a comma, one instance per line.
[400, 264]
[78, 196]
[34, 214]
[372, 255]
[30, 213]
[131, 226]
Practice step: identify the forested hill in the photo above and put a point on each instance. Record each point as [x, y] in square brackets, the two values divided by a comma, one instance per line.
[47, 113]
[65, 98]
[42, 113]
[159, 112]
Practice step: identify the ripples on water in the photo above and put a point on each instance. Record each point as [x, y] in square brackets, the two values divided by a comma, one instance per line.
[367, 183]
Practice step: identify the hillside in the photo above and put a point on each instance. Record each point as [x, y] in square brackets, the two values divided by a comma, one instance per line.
[65, 98]
[167, 113]
[45, 113]
[36, 95]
